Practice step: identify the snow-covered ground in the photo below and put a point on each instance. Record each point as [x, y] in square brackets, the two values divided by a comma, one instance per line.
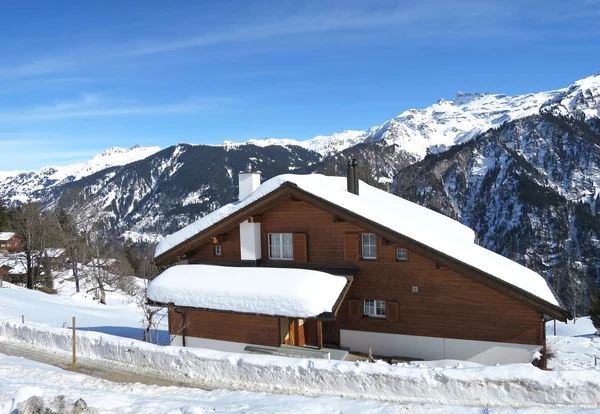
[121, 317]
[574, 381]
[576, 347]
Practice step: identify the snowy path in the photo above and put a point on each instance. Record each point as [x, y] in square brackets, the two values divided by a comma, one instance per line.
[95, 368]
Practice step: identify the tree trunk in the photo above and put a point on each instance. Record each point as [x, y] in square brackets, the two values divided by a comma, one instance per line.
[76, 276]
[29, 270]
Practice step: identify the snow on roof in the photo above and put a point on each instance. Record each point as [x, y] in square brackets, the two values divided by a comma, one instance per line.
[53, 252]
[4, 236]
[416, 222]
[296, 293]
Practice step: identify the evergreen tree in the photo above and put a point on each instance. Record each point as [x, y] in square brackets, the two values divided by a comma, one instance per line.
[4, 218]
[595, 309]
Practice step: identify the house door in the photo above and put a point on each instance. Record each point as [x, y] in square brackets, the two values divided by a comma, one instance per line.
[330, 334]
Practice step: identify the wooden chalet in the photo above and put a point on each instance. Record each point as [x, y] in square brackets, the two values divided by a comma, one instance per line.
[10, 242]
[418, 286]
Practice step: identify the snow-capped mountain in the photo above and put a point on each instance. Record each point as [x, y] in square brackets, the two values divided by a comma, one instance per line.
[322, 144]
[21, 186]
[446, 123]
[450, 122]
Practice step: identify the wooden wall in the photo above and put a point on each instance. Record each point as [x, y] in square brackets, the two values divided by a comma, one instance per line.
[251, 329]
[447, 304]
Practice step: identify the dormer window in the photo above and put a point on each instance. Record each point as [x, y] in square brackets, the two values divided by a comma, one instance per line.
[281, 246]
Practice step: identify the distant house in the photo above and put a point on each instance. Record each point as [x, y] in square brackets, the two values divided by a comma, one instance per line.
[414, 283]
[55, 257]
[107, 263]
[10, 242]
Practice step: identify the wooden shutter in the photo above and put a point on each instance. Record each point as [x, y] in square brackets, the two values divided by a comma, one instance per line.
[351, 250]
[300, 248]
[355, 308]
[391, 310]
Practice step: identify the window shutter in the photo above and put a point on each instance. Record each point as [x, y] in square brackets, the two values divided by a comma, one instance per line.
[300, 248]
[391, 310]
[355, 308]
[351, 250]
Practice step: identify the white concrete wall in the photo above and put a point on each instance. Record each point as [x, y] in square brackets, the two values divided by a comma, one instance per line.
[250, 241]
[429, 348]
[215, 344]
[248, 182]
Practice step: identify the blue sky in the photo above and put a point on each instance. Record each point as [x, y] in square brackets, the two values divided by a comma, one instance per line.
[79, 77]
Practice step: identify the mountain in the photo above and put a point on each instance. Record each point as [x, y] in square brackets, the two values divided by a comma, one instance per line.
[21, 186]
[531, 191]
[170, 188]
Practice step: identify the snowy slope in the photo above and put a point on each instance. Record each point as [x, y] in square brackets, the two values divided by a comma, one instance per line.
[323, 144]
[21, 186]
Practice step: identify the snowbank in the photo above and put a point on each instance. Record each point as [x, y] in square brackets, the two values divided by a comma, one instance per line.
[509, 385]
[296, 293]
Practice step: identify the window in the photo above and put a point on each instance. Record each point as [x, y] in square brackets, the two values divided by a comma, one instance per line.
[218, 251]
[3, 245]
[375, 308]
[281, 246]
[401, 255]
[369, 246]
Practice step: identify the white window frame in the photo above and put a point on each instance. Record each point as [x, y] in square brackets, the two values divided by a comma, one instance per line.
[218, 250]
[374, 308]
[371, 243]
[277, 252]
[401, 254]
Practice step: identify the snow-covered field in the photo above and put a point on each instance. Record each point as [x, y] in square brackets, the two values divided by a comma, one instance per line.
[442, 386]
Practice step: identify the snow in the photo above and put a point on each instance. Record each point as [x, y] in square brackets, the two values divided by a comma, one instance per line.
[5, 236]
[576, 346]
[283, 292]
[20, 187]
[54, 252]
[451, 383]
[22, 379]
[418, 223]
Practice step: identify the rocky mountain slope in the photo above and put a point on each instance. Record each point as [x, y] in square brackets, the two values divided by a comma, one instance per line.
[21, 186]
[167, 190]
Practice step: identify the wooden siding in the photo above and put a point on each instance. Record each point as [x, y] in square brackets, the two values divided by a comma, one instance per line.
[230, 249]
[250, 329]
[447, 303]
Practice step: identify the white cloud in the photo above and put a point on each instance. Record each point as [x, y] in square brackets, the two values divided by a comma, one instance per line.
[92, 105]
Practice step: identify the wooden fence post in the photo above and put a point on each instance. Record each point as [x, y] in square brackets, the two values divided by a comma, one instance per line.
[74, 347]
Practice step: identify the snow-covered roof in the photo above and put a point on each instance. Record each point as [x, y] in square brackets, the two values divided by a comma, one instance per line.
[411, 220]
[54, 252]
[295, 293]
[5, 236]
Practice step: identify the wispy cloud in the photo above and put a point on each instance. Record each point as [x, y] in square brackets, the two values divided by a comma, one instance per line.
[92, 105]
[429, 18]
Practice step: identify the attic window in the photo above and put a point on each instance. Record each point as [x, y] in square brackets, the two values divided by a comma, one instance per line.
[281, 246]
[369, 246]
[401, 255]
[218, 250]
